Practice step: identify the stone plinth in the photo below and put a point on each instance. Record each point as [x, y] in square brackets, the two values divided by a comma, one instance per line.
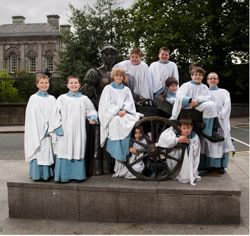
[214, 200]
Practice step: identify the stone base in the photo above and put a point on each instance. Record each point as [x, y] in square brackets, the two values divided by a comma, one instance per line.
[214, 200]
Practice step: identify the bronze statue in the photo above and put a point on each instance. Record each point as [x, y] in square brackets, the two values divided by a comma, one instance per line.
[97, 78]
[93, 83]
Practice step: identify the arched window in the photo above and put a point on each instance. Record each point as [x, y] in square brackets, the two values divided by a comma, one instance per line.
[32, 61]
[13, 63]
[49, 60]
[32, 64]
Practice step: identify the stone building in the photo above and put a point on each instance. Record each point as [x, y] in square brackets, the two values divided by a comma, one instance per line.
[32, 47]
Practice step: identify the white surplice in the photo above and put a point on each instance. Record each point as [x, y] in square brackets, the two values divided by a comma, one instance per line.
[199, 92]
[144, 81]
[112, 126]
[122, 171]
[74, 111]
[223, 102]
[161, 71]
[189, 169]
[41, 119]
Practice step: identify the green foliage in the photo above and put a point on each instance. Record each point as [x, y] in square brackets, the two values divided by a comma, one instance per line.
[8, 93]
[207, 33]
[204, 32]
[25, 84]
[94, 26]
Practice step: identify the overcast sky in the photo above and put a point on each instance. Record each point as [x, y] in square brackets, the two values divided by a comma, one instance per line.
[35, 11]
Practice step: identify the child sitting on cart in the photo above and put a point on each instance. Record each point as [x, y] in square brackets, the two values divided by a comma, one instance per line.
[196, 95]
[171, 86]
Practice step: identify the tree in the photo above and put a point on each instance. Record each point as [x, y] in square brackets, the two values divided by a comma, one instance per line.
[8, 93]
[203, 32]
[93, 26]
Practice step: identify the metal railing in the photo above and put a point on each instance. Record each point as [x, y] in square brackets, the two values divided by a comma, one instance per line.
[19, 89]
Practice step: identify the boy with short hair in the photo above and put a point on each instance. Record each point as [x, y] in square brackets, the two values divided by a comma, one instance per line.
[41, 120]
[74, 109]
[196, 95]
[215, 155]
[162, 69]
[171, 86]
[139, 69]
[169, 138]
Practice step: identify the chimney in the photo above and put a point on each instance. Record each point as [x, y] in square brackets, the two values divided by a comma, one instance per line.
[65, 28]
[53, 20]
[18, 19]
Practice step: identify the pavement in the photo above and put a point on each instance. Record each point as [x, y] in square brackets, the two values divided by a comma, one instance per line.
[11, 170]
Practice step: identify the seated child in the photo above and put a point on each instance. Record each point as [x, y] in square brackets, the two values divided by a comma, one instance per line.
[171, 86]
[169, 138]
[117, 115]
[120, 169]
[195, 94]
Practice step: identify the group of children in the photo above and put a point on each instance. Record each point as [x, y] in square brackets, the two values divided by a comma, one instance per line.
[55, 135]
[63, 121]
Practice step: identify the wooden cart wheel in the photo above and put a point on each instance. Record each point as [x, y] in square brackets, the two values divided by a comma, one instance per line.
[158, 163]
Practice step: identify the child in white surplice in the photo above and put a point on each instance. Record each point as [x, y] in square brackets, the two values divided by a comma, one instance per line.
[195, 94]
[74, 109]
[117, 116]
[41, 120]
[120, 169]
[215, 155]
[169, 139]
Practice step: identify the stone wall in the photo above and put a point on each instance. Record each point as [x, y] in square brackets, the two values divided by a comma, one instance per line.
[14, 114]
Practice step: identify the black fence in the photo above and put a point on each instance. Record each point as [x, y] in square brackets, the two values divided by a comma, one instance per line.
[19, 89]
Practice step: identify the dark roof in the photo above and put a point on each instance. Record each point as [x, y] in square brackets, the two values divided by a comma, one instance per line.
[37, 29]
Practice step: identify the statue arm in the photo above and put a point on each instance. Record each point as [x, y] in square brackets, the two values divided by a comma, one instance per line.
[90, 81]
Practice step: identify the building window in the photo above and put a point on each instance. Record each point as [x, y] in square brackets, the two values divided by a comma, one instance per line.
[32, 65]
[5, 63]
[50, 63]
[13, 63]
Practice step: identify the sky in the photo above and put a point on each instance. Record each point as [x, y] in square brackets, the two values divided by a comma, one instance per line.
[36, 11]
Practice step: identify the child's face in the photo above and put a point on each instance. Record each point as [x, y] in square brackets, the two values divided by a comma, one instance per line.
[73, 85]
[172, 88]
[186, 129]
[118, 78]
[212, 80]
[197, 77]
[138, 134]
[164, 56]
[135, 59]
[43, 84]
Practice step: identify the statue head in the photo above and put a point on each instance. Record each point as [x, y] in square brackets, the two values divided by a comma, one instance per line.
[108, 53]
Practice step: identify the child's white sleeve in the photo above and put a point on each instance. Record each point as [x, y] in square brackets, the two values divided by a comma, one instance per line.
[167, 139]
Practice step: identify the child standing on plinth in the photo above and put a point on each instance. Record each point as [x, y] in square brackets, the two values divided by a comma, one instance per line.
[74, 109]
[41, 120]
[215, 155]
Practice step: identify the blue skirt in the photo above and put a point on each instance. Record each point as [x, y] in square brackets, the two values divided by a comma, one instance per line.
[66, 170]
[207, 163]
[40, 172]
[118, 149]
